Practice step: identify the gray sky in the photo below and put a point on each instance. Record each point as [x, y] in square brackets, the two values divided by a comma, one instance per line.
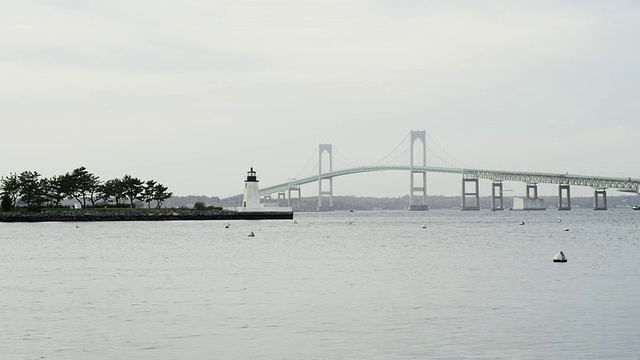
[191, 93]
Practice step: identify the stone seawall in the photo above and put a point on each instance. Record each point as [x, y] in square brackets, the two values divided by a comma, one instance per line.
[139, 215]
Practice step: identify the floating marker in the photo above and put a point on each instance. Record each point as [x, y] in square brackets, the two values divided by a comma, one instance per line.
[559, 257]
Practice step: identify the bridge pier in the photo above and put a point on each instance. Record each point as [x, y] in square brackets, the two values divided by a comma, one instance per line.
[497, 202]
[561, 204]
[596, 203]
[532, 188]
[281, 198]
[475, 194]
[292, 204]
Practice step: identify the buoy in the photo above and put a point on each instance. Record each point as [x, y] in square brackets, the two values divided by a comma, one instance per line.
[559, 257]
[77, 227]
[295, 222]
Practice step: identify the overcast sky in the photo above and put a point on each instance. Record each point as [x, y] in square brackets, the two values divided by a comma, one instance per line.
[191, 93]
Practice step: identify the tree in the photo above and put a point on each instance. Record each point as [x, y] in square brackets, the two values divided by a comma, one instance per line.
[154, 191]
[80, 185]
[148, 192]
[132, 188]
[11, 187]
[53, 191]
[112, 189]
[32, 189]
[6, 203]
[160, 194]
[93, 188]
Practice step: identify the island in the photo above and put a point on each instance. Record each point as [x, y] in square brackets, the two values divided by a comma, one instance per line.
[139, 215]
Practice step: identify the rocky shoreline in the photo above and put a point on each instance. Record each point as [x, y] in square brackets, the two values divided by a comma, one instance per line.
[140, 215]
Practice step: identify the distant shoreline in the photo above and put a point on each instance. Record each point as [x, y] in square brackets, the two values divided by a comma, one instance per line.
[139, 215]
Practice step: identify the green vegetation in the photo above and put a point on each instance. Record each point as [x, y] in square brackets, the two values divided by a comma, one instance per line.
[34, 191]
[6, 203]
[202, 206]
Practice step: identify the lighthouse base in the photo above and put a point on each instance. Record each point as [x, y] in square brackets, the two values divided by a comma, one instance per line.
[265, 215]
[268, 213]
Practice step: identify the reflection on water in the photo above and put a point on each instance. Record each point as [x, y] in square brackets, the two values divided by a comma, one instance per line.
[373, 285]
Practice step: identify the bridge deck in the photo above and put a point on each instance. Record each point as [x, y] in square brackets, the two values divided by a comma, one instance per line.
[596, 182]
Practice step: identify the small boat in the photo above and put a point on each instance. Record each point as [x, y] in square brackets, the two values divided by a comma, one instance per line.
[252, 234]
[636, 207]
[521, 223]
[559, 257]
[565, 229]
[424, 226]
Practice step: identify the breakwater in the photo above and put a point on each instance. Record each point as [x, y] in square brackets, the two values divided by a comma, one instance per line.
[140, 215]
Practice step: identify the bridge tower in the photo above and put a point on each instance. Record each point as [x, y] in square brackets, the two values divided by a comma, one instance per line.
[322, 148]
[415, 205]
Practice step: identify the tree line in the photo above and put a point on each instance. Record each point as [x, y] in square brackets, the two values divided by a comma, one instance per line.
[36, 191]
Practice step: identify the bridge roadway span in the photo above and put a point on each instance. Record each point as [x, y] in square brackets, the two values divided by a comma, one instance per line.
[596, 182]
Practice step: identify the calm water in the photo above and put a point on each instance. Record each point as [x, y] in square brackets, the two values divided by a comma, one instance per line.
[470, 285]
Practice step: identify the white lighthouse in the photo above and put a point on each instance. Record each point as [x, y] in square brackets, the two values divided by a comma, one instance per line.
[251, 198]
[251, 207]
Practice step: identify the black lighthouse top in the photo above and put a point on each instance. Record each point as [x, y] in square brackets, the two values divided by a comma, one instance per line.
[251, 176]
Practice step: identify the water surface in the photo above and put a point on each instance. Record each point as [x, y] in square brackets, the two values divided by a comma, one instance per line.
[337, 285]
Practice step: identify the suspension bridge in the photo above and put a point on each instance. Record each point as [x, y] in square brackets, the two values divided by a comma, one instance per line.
[411, 156]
